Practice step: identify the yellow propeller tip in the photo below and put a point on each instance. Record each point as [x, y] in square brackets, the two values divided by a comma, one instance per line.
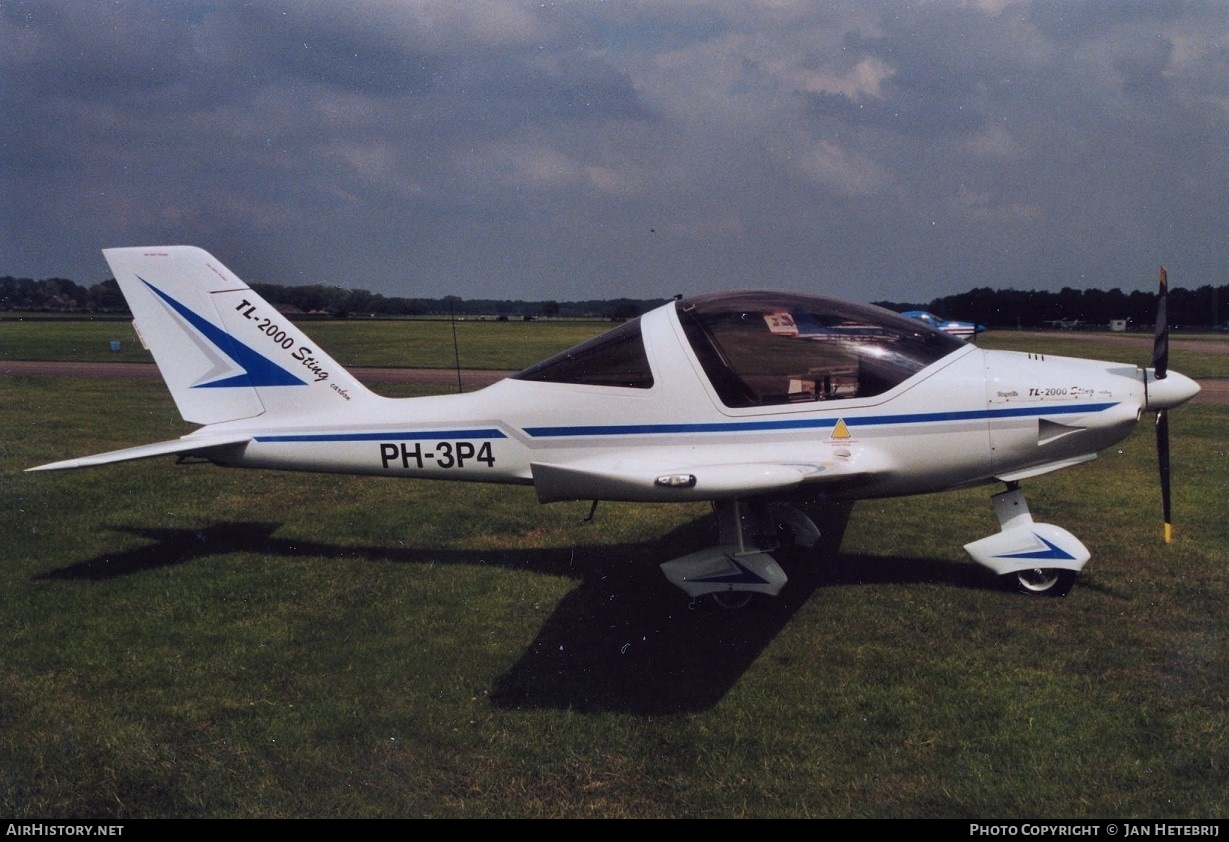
[1169, 533]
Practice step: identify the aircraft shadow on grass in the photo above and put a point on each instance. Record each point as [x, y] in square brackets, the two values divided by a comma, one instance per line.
[624, 640]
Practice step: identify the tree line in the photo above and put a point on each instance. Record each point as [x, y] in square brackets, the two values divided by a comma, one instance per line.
[1205, 306]
[60, 295]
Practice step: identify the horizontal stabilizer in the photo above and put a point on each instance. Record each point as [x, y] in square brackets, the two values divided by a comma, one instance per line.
[198, 445]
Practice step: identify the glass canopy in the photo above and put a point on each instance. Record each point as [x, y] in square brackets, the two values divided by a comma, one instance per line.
[767, 348]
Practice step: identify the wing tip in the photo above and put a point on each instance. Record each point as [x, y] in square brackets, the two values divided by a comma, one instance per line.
[55, 466]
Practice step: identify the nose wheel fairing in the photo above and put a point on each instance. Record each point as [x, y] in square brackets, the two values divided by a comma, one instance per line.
[1023, 545]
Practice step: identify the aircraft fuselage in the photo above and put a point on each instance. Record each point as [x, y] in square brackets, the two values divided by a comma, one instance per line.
[974, 416]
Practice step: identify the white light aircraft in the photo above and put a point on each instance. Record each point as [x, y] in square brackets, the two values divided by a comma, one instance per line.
[965, 330]
[762, 403]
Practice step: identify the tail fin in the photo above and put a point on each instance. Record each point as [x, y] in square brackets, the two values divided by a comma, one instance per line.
[224, 352]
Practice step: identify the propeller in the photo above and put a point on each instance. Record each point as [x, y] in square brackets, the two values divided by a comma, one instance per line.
[1160, 366]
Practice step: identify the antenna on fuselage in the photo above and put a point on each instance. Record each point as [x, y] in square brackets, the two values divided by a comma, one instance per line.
[456, 352]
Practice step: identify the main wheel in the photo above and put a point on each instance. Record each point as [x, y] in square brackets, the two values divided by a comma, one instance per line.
[1043, 581]
[731, 600]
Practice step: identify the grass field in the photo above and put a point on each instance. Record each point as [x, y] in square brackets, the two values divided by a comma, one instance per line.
[412, 343]
[513, 345]
[185, 641]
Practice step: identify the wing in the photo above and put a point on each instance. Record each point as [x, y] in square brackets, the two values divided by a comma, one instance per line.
[649, 480]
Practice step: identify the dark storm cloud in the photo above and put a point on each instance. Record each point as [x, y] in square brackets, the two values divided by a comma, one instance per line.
[503, 149]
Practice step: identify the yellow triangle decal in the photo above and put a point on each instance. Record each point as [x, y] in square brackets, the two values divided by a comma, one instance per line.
[840, 431]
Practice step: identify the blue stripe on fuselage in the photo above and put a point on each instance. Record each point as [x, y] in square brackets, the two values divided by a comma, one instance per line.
[809, 423]
[417, 435]
[587, 431]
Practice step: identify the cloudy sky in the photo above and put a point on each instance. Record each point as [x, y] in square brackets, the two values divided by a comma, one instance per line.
[571, 150]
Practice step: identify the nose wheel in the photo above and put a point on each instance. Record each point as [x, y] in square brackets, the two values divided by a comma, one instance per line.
[1042, 581]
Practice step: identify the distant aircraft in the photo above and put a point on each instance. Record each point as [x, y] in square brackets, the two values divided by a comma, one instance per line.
[963, 330]
[766, 404]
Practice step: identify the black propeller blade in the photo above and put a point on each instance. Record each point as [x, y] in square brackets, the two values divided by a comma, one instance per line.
[1160, 365]
[1160, 336]
[1162, 455]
